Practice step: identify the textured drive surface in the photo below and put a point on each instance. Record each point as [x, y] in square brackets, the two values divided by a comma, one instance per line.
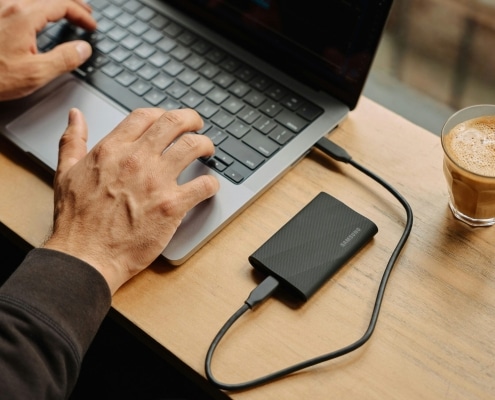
[313, 245]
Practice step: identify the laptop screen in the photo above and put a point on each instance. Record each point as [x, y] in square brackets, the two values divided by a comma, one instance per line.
[330, 45]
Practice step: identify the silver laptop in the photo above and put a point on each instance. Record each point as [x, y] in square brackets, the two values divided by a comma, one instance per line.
[268, 77]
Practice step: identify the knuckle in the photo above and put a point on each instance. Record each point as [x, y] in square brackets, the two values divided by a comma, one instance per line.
[131, 163]
[101, 150]
[12, 8]
[32, 77]
[141, 113]
[191, 141]
[171, 207]
[172, 118]
[207, 185]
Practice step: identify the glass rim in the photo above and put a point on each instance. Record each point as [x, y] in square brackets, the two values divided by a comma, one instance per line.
[443, 133]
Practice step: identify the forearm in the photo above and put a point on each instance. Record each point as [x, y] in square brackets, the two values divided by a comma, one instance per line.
[50, 311]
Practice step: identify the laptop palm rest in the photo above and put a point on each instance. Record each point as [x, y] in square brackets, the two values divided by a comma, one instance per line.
[38, 130]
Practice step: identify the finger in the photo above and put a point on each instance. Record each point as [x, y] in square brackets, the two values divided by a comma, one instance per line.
[73, 143]
[185, 150]
[77, 12]
[170, 126]
[197, 190]
[63, 58]
[136, 124]
[83, 4]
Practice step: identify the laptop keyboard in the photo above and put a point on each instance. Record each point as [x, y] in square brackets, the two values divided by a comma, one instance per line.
[144, 59]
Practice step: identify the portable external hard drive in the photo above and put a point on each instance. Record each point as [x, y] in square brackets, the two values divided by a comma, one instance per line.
[313, 245]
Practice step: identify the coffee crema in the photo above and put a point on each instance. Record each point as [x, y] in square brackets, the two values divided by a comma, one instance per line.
[471, 145]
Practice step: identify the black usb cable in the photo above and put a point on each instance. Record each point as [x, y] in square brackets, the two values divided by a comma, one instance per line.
[265, 289]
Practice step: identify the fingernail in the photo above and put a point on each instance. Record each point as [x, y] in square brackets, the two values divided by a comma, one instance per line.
[84, 50]
[73, 116]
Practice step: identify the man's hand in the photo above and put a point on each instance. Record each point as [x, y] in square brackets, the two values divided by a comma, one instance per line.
[22, 69]
[118, 206]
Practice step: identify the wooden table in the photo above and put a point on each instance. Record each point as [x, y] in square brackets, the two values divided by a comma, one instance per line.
[435, 334]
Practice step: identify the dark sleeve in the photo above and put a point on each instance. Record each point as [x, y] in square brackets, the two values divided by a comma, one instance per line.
[50, 310]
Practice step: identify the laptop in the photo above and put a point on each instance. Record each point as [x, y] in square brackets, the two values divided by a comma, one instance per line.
[269, 78]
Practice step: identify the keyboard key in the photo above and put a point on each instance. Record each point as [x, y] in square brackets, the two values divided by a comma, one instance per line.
[192, 99]
[292, 102]
[291, 121]
[159, 59]
[180, 53]
[131, 42]
[188, 77]
[145, 14]
[249, 115]
[111, 12]
[125, 19]
[166, 44]
[132, 6]
[119, 54]
[152, 36]
[162, 81]
[170, 104]
[209, 71]
[271, 108]
[155, 97]
[145, 50]
[173, 68]
[232, 174]
[112, 69]
[117, 34]
[173, 29]
[238, 129]
[159, 22]
[281, 135]
[140, 87]
[176, 90]
[233, 105]
[217, 136]
[207, 109]
[254, 98]
[187, 38]
[276, 92]
[216, 164]
[138, 28]
[242, 153]
[203, 86]
[309, 112]
[240, 89]
[224, 80]
[217, 95]
[195, 62]
[261, 143]
[265, 125]
[222, 119]
[225, 158]
[126, 78]
[147, 72]
[133, 63]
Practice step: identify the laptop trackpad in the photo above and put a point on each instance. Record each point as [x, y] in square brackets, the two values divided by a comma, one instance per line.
[38, 130]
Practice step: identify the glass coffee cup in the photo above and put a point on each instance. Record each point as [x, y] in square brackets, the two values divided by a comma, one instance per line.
[468, 141]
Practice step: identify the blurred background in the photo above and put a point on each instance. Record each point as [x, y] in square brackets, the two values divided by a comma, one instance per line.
[436, 56]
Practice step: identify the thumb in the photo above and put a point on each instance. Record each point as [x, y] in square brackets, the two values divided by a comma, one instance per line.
[73, 143]
[63, 58]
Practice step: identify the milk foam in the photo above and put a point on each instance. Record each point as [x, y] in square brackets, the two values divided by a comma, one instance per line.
[471, 145]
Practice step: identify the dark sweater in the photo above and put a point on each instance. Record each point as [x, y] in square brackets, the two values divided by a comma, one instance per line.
[50, 310]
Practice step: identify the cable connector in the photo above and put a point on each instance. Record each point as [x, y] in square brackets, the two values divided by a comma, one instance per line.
[331, 149]
[261, 292]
